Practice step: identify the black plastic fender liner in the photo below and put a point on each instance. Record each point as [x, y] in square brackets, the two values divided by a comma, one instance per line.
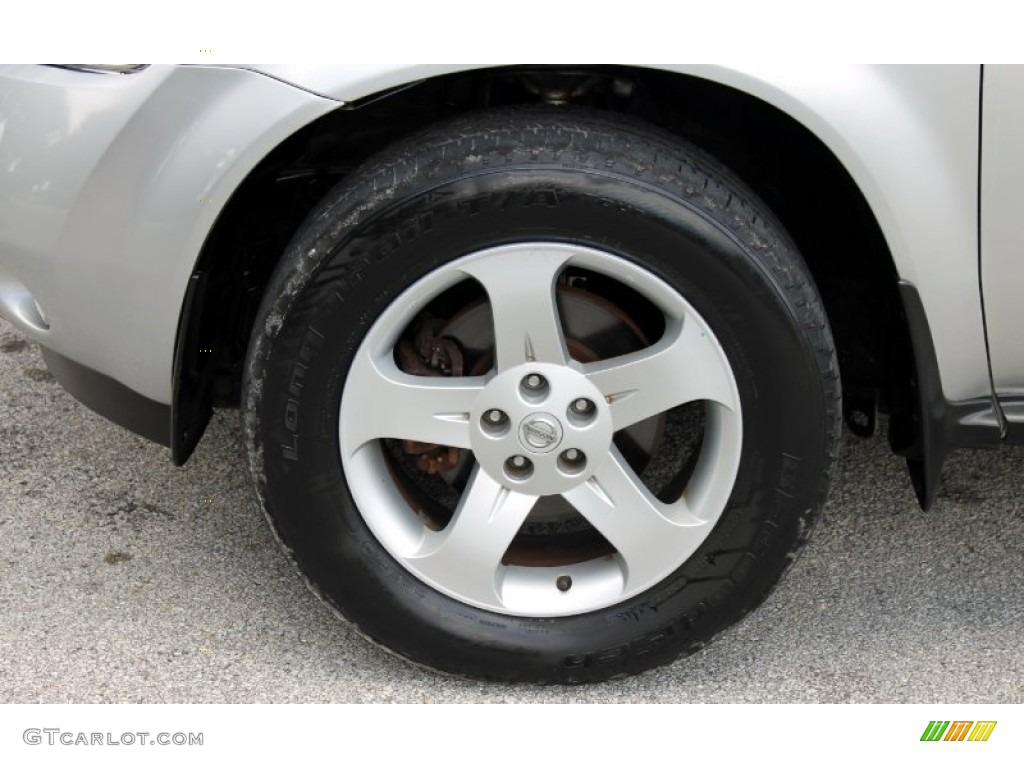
[938, 426]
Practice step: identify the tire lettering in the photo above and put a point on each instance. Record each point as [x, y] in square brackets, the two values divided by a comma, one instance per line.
[787, 481]
[404, 232]
[471, 206]
[295, 380]
[307, 350]
[545, 197]
[410, 229]
[639, 647]
[503, 201]
[291, 416]
[291, 452]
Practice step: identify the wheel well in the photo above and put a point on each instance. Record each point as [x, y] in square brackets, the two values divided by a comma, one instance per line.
[796, 175]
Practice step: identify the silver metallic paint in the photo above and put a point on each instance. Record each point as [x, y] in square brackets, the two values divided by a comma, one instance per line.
[1002, 230]
[101, 180]
[108, 188]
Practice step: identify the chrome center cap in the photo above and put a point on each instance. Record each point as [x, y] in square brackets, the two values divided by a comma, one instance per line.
[540, 432]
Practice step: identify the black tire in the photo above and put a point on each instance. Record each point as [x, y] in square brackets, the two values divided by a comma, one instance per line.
[562, 175]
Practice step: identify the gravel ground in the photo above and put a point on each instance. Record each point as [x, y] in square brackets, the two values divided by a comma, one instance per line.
[125, 579]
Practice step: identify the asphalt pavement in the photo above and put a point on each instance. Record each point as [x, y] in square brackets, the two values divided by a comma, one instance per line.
[126, 579]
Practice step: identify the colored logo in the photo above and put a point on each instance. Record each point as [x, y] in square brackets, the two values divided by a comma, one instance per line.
[958, 730]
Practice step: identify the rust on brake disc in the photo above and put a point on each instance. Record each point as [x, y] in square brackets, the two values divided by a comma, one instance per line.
[431, 355]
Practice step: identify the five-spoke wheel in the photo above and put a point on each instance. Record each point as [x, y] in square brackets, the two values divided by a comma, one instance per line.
[539, 423]
[541, 394]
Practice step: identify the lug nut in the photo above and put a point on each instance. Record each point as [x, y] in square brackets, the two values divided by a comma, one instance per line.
[534, 387]
[564, 583]
[518, 467]
[572, 461]
[582, 411]
[494, 422]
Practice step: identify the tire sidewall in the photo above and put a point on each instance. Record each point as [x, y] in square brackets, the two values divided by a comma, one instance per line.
[337, 281]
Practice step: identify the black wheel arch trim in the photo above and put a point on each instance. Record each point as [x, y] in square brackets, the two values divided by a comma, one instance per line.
[192, 381]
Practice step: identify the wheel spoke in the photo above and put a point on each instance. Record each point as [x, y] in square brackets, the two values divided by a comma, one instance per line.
[685, 365]
[651, 538]
[521, 289]
[466, 555]
[392, 403]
